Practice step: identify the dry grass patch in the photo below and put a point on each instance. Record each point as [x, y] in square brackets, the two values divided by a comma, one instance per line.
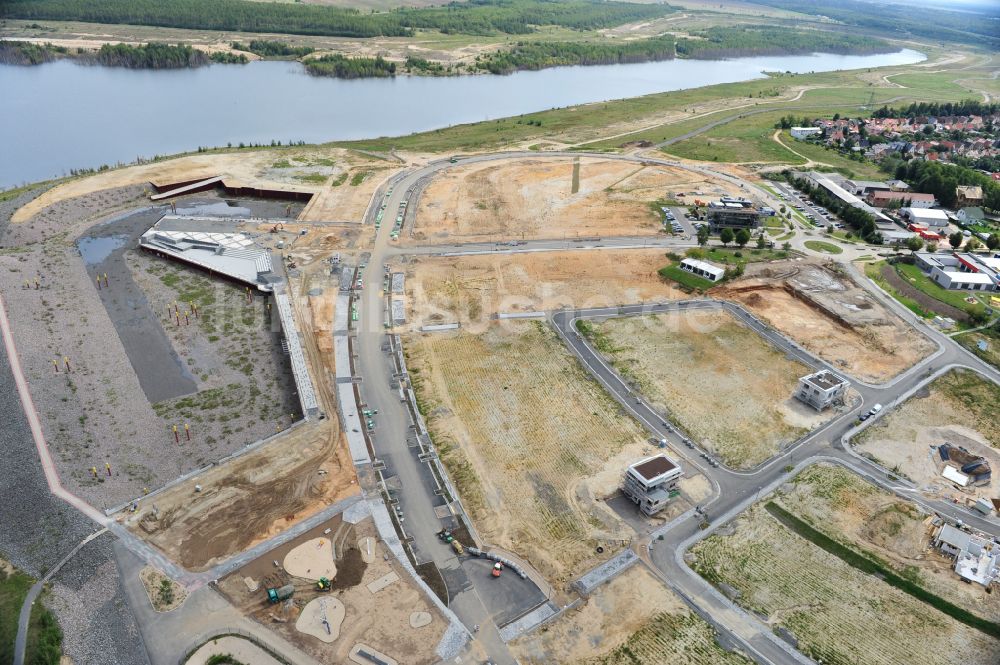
[164, 594]
[723, 383]
[520, 426]
[633, 619]
[837, 613]
[852, 511]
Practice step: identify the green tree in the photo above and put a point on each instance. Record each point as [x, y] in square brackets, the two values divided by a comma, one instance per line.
[973, 244]
[786, 246]
[993, 241]
[703, 235]
[742, 238]
[955, 239]
[726, 236]
[914, 244]
[932, 247]
[760, 241]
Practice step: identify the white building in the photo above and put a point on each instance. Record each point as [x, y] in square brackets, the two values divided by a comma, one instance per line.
[962, 270]
[703, 269]
[977, 558]
[925, 216]
[821, 389]
[804, 132]
[651, 483]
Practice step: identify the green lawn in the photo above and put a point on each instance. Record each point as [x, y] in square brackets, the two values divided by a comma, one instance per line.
[734, 255]
[925, 284]
[13, 588]
[845, 165]
[684, 278]
[991, 336]
[873, 272]
[825, 247]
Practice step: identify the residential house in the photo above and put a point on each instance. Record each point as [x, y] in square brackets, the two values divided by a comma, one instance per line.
[968, 196]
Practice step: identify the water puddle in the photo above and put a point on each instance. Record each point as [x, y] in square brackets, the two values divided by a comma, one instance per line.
[215, 209]
[96, 250]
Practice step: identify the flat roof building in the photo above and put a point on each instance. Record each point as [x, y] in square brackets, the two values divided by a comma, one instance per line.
[925, 216]
[703, 269]
[651, 483]
[961, 270]
[822, 389]
[977, 557]
[732, 214]
[804, 132]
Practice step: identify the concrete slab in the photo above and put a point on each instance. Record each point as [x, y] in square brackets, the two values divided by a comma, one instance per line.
[383, 582]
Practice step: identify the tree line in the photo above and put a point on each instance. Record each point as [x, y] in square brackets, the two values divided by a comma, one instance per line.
[904, 19]
[942, 179]
[29, 53]
[538, 55]
[153, 55]
[721, 42]
[338, 66]
[964, 107]
[473, 17]
[272, 49]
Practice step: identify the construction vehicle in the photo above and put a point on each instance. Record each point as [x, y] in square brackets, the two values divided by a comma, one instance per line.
[457, 546]
[497, 569]
[277, 227]
[280, 594]
[323, 584]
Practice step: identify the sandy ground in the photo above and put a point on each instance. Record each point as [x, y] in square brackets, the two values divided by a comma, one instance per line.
[311, 560]
[846, 507]
[831, 316]
[829, 607]
[906, 438]
[632, 613]
[723, 383]
[242, 650]
[519, 425]
[310, 169]
[152, 581]
[472, 289]
[536, 199]
[381, 620]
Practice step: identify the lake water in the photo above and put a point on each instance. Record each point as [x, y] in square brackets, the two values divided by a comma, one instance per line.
[61, 115]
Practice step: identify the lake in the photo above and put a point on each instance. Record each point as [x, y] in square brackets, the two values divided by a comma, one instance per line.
[61, 115]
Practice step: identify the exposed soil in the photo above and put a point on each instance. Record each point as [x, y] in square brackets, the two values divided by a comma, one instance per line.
[925, 301]
[473, 289]
[906, 439]
[822, 309]
[536, 199]
[381, 620]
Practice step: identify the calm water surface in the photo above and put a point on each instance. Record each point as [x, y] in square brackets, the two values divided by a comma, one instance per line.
[61, 115]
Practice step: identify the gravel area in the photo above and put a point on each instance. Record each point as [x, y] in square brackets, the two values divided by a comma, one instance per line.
[88, 600]
[36, 529]
[98, 414]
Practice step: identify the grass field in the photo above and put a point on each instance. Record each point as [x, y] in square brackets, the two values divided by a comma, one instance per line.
[44, 635]
[835, 612]
[825, 247]
[874, 272]
[889, 531]
[989, 336]
[685, 279]
[522, 430]
[719, 380]
[925, 284]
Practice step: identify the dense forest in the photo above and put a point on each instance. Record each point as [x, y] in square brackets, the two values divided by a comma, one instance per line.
[340, 67]
[752, 40]
[964, 107]
[472, 17]
[538, 55]
[904, 20]
[28, 53]
[271, 49]
[150, 56]
[942, 179]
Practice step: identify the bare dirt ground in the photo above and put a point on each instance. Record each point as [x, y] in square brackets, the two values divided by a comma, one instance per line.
[309, 169]
[472, 289]
[249, 499]
[381, 620]
[724, 384]
[846, 507]
[239, 648]
[164, 594]
[822, 309]
[632, 619]
[536, 199]
[519, 425]
[834, 611]
[958, 408]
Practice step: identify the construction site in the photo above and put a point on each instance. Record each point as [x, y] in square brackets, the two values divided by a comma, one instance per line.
[944, 439]
[552, 198]
[819, 304]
